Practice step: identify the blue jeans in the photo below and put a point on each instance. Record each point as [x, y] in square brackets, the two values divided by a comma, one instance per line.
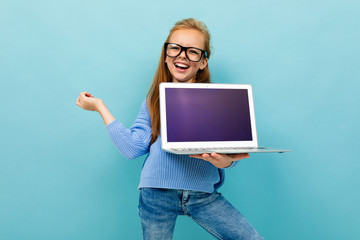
[159, 208]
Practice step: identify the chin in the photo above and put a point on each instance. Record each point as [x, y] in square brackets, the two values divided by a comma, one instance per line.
[183, 80]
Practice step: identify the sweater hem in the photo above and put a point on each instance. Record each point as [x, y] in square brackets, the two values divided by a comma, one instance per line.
[205, 187]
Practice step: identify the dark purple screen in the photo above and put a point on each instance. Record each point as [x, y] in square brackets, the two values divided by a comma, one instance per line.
[195, 115]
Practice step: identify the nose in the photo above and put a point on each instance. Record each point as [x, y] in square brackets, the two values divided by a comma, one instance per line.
[182, 53]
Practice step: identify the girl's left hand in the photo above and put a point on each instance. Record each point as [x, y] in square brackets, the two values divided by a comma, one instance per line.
[221, 160]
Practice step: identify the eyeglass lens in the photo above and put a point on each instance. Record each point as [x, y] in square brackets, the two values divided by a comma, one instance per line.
[174, 50]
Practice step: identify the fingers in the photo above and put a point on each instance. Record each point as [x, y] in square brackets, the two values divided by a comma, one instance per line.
[216, 157]
[204, 156]
[201, 156]
[78, 102]
[220, 156]
[86, 94]
[218, 160]
[82, 98]
[221, 160]
[89, 95]
[238, 156]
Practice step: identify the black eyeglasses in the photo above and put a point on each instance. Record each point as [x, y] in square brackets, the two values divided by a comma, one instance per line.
[192, 53]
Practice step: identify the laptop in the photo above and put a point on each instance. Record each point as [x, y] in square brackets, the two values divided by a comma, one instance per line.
[207, 117]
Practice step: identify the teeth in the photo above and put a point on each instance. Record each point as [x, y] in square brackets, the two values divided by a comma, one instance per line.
[181, 65]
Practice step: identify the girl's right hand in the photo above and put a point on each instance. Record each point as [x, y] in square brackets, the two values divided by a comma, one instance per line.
[87, 102]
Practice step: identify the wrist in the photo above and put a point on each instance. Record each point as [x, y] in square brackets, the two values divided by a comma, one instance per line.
[229, 165]
[100, 105]
[104, 112]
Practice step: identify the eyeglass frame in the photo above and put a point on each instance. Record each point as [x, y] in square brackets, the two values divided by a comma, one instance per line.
[203, 52]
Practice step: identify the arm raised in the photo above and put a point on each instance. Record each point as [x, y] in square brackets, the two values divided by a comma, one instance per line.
[88, 102]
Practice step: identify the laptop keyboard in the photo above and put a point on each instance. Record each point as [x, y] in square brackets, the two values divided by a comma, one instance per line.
[217, 148]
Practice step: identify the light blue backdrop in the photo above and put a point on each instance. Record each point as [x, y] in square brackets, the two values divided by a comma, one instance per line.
[61, 177]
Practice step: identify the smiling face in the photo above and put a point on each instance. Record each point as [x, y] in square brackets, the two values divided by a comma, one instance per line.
[181, 68]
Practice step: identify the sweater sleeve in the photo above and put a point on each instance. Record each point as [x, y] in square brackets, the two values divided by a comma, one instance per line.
[133, 142]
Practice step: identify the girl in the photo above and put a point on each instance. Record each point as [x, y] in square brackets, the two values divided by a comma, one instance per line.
[170, 184]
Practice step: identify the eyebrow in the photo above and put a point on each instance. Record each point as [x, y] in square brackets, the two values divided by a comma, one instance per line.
[201, 48]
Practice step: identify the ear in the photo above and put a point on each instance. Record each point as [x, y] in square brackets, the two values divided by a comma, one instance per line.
[204, 64]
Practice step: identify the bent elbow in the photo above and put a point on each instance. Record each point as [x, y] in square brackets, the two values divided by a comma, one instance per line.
[133, 153]
[131, 156]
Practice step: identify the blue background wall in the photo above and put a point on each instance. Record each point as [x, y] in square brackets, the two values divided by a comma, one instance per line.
[61, 177]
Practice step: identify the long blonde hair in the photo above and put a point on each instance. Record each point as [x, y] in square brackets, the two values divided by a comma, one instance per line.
[162, 73]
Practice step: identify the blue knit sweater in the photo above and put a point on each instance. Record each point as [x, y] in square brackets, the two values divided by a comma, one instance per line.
[162, 169]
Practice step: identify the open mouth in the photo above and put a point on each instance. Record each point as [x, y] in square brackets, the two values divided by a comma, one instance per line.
[181, 66]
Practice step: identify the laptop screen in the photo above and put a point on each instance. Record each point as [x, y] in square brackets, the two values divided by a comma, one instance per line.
[195, 115]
